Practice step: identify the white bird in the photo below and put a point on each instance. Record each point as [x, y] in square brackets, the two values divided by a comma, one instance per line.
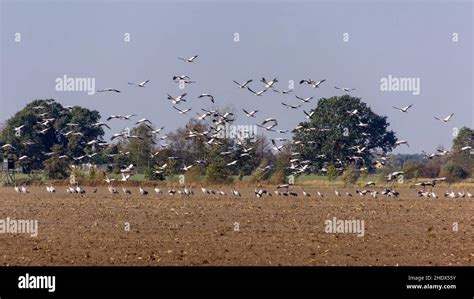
[141, 84]
[208, 96]
[182, 111]
[267, 120]
[275, 146]
[180, 77]
[157, 130]
[291, 106]
[232, 163]
[79, 158]
[258, 94]
[42, 131]
[359, 149]
[268, 128]
[243, 85]
[346, 89]
[80, 190]
[308, 115]
[306, 100]
[143, 191]
[114, 116]
[395, 174]
[177, 99]
[112, 190]
[143, 120]
[108, 89]
[122, 117]
[18, 128]
[404, 109]
[313, 83]
[446, 119]
[127, 169]
[117, 135]
[283, 91]
[465, 148]
[101, 125]
[186, 168]
[353, 113]
[191, 59]
[269, 84]
[8, 146]
[125, 177]
[400, 142]
[235, 193]
[441, 152]
[251, 113]
[428, 156]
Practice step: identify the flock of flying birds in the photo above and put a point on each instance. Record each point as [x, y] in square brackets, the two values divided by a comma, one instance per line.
[211, 135]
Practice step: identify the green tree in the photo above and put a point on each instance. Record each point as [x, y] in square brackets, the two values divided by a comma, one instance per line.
[454, 172]
[217, 170]
[412, 169]
[55, 168]
[170, 170]
[140, 145]
[333, 135]
[152, 175]
[332, 173]
[261, 173]
[189, 148]
[351, 174]
[46, 124]
[281, 169]
[464, 139]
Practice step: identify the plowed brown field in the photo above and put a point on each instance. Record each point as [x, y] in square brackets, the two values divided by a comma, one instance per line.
[213, 230]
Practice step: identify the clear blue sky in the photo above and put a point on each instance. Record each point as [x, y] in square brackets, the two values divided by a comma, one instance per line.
[291, 40]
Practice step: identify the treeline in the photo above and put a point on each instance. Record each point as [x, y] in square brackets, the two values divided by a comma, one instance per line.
[456, 164]
[342, 136]
[166, 156]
